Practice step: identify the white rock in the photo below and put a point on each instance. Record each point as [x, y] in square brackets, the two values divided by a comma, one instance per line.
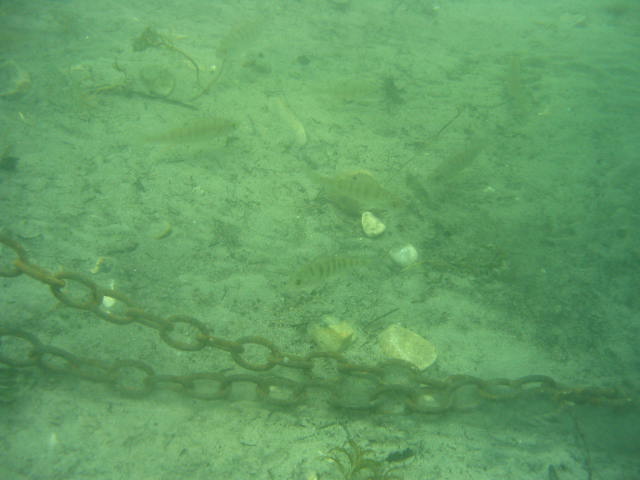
[404, 256]
[372, 225]
[403, 344]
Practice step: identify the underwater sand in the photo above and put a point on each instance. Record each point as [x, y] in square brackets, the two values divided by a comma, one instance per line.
[530, 244]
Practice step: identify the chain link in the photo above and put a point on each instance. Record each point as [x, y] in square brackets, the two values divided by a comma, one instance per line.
[279, 378]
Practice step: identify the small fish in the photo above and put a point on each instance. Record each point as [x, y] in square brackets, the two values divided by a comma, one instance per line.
[455, 164]
[359, 186]
[317, 271]
[200, 130]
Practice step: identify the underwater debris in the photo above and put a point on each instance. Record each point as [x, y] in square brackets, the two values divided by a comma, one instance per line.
[229, 48]
[355, 463]
[149, 38]
[154, 82]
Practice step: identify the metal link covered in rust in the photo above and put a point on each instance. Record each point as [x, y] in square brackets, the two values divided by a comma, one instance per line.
[276, 377]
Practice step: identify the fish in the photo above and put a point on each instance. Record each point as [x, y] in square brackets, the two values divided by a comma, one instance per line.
[316, 272]
[455, 164]
[199, 130]
[357, 187]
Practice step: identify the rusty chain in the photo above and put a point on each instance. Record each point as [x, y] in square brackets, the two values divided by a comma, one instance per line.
[277, 377]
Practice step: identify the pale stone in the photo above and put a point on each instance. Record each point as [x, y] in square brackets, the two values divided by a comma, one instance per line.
[404, 256]
[402, 344]
[372, 225]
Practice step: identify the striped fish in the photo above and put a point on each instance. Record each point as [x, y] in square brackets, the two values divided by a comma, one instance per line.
[317, 271]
